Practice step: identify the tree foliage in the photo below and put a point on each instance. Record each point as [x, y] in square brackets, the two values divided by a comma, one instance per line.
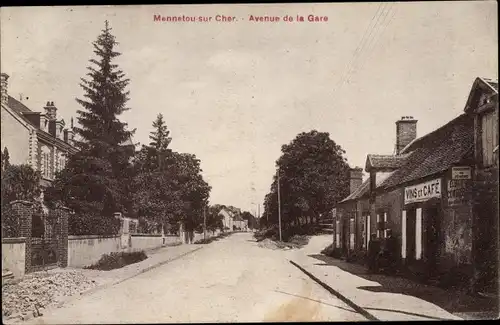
[168, 187]
[19, 182]
[94, 182]
[313, 178]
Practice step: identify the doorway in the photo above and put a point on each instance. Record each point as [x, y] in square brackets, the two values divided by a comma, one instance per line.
[411, 215]
[432, 242]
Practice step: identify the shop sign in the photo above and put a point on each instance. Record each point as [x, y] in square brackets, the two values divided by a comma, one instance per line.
[457, 191]
[423, 192]
[461, 173]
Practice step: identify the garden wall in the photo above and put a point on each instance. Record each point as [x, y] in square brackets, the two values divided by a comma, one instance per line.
[86, 250]
[13, 255]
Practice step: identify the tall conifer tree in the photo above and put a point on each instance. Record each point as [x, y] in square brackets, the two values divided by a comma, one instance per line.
[93, 183]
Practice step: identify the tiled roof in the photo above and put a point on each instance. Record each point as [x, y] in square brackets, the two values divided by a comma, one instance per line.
[365, 186]
[436, 152]
[359, 192]
[17, 106]
[385, 161]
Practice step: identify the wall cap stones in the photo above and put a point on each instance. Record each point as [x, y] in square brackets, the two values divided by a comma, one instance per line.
[21, 201]
[14, 240]
[82, 237]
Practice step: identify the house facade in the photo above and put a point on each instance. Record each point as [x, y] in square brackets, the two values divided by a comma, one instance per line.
[227, 219]
[39, 139]
[437, 193]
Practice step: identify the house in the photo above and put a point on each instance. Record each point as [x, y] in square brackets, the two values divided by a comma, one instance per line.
[227, 218]
[239, 223]
[40, 140]
[437, 193]
[232, 219]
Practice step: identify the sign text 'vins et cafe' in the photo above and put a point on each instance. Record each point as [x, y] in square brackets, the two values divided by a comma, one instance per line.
[423, 192]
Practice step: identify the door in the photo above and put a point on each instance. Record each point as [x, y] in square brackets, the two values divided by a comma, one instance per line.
[410, 235]
[432, 227]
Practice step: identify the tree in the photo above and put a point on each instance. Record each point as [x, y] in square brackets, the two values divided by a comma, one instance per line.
[214, 219]
[252, 223]
[94, 183]
[169, 187]
[313, 178]
[19, 182]
[5, 159]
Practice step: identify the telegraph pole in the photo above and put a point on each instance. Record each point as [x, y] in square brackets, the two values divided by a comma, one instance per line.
[204, 222]
[279, 204]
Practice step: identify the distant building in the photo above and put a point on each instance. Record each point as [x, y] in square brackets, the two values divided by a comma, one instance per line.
[232, 220]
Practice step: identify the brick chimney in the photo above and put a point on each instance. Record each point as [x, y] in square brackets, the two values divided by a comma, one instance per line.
[50, 111]
[69, 134]
[4, 86]
[355, 178]
[406, 132]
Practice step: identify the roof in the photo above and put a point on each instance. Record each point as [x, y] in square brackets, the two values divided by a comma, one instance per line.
[385, 161]
[426, 156]
[363, 189]
[19, 108]
[128, 142]
[359, 192]
[492, 83]
[484, 84]
[436, 152]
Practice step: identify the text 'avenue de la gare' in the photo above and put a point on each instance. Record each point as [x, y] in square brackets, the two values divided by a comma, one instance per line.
[229, 19]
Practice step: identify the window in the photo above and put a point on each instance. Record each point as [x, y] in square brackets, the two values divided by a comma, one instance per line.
[363, 232]
[489, 137]
[46, 164]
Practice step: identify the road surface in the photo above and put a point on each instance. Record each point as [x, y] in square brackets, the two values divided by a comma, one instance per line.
[230, 280]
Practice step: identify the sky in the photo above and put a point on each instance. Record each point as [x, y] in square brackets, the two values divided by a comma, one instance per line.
[233, 93]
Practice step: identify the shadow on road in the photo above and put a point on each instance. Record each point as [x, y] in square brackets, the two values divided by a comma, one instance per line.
[452, 301]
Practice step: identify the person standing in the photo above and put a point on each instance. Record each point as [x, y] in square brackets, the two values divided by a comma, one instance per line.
[391, 252]
[373, 251]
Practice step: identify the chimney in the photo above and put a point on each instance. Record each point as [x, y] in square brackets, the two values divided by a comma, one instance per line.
[69, 134]
[3, 86]
[406, 132]
[355, 178]
[59, 129]
[50, 111]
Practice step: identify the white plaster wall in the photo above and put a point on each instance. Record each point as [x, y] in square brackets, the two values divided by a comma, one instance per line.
[15, 137]
[86, 250]
[13, 256]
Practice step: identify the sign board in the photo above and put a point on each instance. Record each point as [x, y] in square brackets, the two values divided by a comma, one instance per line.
[334, 213]
[423, 192]
[461, 173]
[457, 191]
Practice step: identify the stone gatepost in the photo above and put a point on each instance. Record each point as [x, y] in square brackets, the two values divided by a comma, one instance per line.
[24, 211]
[62, 215]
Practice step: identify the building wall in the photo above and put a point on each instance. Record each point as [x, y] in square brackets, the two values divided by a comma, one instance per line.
[13, 255]
[15, 137]
[391, 203]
